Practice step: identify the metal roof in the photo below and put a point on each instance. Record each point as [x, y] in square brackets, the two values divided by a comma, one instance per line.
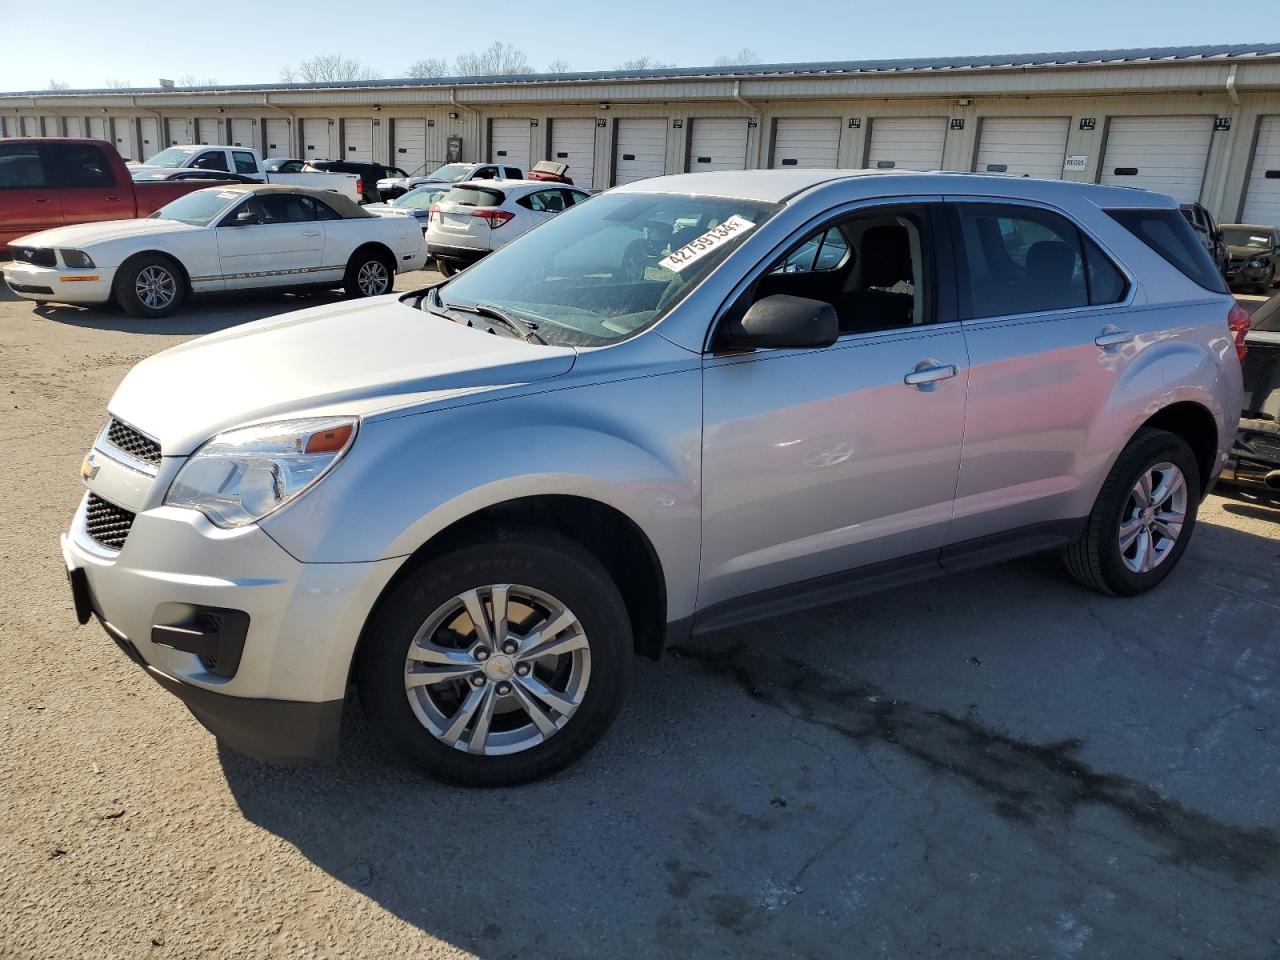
[1017, 61]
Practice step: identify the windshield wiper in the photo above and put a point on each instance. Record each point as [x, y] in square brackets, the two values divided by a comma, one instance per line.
[524, 329]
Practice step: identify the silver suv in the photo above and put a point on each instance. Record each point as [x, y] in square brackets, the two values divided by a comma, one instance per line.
[690, 403]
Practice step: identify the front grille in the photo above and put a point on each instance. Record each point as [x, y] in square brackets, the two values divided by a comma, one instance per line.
[124, 437]
[41, 258]
[28, 288]
[106, 523]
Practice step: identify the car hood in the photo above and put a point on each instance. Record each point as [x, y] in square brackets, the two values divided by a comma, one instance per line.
[85, 234]
[355, 358]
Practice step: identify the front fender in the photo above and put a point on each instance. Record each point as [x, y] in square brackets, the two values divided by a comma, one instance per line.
[634, 445]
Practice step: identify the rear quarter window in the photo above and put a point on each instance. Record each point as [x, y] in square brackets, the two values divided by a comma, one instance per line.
[1168, 233]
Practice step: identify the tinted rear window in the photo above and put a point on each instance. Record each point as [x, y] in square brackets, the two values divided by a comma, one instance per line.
[475, 196]
[1168, 234]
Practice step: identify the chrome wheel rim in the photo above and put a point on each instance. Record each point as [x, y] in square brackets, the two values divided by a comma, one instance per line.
[372, 278]
[498, 669]
[155, 287]
[1153, 517]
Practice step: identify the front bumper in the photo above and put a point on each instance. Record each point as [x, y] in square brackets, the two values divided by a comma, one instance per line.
[283, 702]
[59, 284]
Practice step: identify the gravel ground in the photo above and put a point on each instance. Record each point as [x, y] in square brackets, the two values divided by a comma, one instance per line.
[994, 765]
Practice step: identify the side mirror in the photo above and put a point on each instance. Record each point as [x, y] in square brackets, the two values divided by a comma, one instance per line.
[782, 321]
[244, 218]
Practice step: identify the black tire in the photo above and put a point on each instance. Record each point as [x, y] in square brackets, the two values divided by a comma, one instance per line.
[1095, 559]
[149, 269]
[365, 268]
[447, 268]
[533, 558]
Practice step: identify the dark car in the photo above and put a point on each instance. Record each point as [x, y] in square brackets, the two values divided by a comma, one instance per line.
[146, 174]
[1256, 455]
[1208, 232]
[370, 173]
[1251, 255]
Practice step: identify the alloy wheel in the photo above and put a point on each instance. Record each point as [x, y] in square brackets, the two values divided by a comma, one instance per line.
[498, 669]
[155, 287]
[1153, 517]
[373, 279]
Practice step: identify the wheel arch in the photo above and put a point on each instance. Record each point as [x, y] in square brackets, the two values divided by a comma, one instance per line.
[1196, 426]
[163, 254]
[374, 245]
[613, 538]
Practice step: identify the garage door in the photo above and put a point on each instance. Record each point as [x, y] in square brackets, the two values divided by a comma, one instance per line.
[1262, 191]
[51, 128]
[1022, 146]
[277, 129]
[122, 130]
[75, 126]
[906, 143]
[150, 128]
[315, 138]
[574, 142]
[409, 143]
[639, 150]
[806, 143]
[717, 145]
[357, 139]
[1165, 154]
[242, 133]
[179, 131]
[98, 128]
[208, 130]
[509, 141]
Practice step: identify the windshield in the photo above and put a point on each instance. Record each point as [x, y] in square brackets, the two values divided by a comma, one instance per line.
[173, 157]
[1244, 237]
[200, 208]
[607, 269]
[419, 198]
[451, 172]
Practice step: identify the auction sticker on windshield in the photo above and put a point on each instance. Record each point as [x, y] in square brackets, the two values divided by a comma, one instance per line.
[699, 247]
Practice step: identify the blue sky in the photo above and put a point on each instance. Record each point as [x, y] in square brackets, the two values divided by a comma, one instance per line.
[251, 43]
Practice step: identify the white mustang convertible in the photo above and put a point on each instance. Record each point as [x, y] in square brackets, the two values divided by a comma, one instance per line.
[223, 238]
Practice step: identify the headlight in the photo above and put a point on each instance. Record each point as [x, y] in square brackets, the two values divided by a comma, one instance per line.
[76, 258]
[242, 475]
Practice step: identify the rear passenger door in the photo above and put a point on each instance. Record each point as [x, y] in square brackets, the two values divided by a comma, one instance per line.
[1049, 338]
[28, 201]
[86, 183]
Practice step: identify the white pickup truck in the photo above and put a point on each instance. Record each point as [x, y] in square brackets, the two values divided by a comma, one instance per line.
[245, 162]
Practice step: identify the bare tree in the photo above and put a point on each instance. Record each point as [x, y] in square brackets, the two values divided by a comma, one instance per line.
[498, 60]
[559, 66]
[327, 68]
[643, 63]
[191, 80]
[744, 56]
[59, 85]
[112, 83]
[428, 67]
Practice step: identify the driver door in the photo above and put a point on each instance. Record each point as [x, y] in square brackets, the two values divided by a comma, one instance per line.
[820, 461]
[270, 240]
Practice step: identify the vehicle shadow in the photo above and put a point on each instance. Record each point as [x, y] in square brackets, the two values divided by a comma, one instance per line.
[200, 315]
[904, 769]
[1259, 504]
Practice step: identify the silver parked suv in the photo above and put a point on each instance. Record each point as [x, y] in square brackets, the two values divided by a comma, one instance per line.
[689, 403]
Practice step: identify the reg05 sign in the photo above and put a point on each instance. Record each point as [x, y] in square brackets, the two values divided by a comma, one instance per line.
[1078, 164]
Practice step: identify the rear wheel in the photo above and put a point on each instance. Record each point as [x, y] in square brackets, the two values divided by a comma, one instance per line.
[447, 267]
[1143, 517]
[149, 286]
[370, 273]
[499, 663]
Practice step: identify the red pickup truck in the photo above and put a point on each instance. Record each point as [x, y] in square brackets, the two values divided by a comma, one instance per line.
[48, 182]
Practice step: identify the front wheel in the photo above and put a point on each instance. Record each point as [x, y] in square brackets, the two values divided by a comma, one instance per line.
[1143, 517]
[369, 274]
[499, 663]
[149, 287]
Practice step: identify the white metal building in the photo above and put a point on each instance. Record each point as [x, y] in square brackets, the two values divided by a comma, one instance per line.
[1199, 123]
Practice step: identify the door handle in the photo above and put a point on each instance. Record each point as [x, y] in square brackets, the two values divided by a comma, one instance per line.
[39, 199]
[1111, 337]
[930, 371]
[111, 198]
[311, 233]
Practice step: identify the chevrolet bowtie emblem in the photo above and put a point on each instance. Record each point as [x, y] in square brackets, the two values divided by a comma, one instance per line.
[89, 469]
